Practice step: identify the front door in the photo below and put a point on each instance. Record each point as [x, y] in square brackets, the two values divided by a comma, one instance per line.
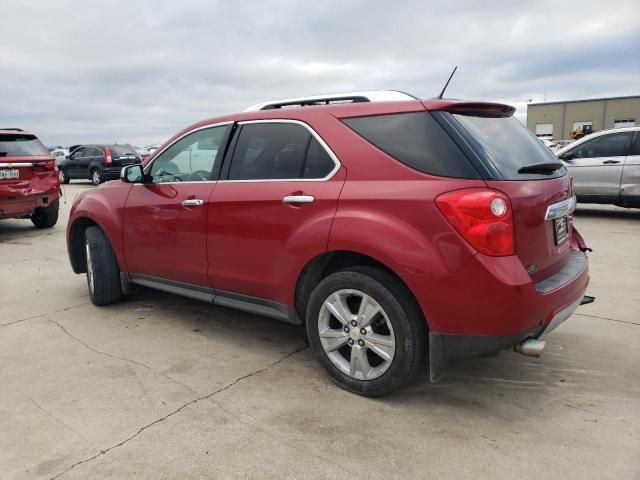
[165, 219]
[273, 210]
[596, 164]
[74, 164]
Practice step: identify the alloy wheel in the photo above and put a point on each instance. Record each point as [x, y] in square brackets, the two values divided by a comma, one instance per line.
[356, 334]
[90, 272]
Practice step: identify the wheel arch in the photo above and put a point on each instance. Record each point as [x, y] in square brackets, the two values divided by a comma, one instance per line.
[330, 262]
[76, 239]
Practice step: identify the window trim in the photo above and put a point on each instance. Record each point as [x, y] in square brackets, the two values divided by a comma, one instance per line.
[147, 169]
[322, 143]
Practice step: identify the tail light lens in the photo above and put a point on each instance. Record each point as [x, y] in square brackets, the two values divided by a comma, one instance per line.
[483, 217]
[107, 156]
[47, 165]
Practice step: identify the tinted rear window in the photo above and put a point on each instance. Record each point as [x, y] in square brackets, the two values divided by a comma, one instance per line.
[122, 150]
[416, 140]
[508, 145]
[20, 145]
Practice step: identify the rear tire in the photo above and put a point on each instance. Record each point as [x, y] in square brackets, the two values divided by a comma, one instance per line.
[62, 175]
[46, 217]
[103, 274]
[97, 177]
[389, 348]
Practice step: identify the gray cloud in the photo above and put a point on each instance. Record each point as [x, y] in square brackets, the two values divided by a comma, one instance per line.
[137, 71]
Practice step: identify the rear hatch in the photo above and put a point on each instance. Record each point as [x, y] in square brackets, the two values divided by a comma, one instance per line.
[513, 161]
[22, 157]
[123, 155]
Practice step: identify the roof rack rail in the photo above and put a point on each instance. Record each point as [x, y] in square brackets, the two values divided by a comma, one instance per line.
[11, 129]
[335, 98]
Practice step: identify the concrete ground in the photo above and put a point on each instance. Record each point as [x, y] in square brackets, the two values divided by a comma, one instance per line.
[164, 387]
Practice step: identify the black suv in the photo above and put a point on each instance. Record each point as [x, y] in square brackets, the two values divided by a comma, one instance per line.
[97, 162]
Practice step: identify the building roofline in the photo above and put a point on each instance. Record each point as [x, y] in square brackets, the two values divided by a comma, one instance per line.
[584, 100]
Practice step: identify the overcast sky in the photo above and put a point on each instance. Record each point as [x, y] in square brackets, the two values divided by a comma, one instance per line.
[139, 71]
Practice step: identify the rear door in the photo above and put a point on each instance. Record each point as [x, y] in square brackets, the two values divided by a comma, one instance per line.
[165, 220]
[273, 210]
[630, 183]
[596, 164]
[87, 161]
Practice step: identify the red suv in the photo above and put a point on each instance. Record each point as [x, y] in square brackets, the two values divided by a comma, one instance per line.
[29, 185]
[399, 232]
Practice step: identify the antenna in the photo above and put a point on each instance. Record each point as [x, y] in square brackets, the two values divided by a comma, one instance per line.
[447, 84]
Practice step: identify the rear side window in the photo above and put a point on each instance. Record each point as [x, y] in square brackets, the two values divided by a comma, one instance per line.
[508, 145]
[274, 151]
[21, 145]
[416, 140]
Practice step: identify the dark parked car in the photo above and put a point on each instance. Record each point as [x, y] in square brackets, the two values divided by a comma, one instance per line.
[97, 162]
[403, 233]
[29, 186]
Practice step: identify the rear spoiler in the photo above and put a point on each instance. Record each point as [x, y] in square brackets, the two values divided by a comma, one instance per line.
[476, 109]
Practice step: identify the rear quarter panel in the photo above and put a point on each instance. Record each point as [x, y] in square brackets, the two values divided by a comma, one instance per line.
[387, 211]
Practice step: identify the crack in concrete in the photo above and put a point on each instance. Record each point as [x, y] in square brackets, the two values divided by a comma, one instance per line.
[179, 409]
[116, 357]
[49, 414]
[607, 318]
[43, 314]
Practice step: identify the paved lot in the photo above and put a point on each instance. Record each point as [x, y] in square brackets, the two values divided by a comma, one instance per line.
[164, 387]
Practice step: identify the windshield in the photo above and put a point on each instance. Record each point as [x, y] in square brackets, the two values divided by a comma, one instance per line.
[21, 145]
[508, 145]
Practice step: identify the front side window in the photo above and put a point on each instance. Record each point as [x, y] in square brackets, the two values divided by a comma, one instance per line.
[278, 151]
[78, 153]
[190, 159]
[613, 145]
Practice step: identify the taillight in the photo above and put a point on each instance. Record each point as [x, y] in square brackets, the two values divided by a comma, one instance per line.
[483, 217]
[107, 156]
[47, 165]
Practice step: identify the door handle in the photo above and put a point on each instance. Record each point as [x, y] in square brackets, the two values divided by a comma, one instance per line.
[606, 162]
[298, 199]
[192, 202]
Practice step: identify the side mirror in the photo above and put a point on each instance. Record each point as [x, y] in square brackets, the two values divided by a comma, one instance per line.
[567, 157]
[132, 174]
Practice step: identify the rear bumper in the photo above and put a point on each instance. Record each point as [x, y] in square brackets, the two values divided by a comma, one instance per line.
[14, 205]
[446, 347]
[492, 304]
[495, 296]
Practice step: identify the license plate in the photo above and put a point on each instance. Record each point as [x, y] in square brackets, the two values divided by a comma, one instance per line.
[9, 173]
[561, 230]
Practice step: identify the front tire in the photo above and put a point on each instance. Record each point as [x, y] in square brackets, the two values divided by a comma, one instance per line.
[103, 274]
[46, 217]
[367, 331]
[97, 177]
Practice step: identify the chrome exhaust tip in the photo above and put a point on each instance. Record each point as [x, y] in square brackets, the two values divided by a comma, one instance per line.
[530, 347]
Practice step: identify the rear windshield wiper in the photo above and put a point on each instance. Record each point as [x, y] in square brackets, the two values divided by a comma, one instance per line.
[545, 167]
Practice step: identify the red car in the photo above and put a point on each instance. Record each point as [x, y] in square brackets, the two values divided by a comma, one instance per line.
[402, 233]
[29, 185]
